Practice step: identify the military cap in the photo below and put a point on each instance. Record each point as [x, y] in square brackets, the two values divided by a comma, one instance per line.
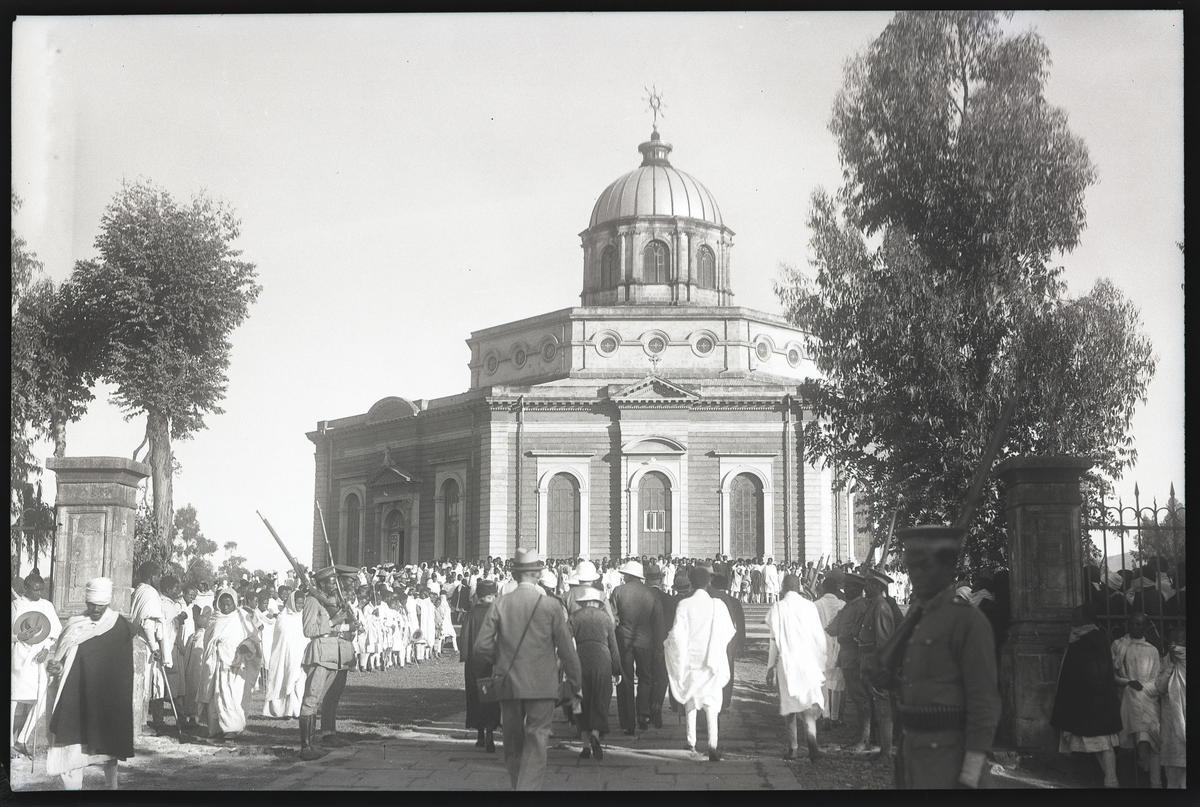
[854, 577]
[879, 577]
[932, 536]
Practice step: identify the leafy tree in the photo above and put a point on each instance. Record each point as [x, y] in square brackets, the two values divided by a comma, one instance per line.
[52, 371]
[232, 568]
[933, 300]
[163, 298]
[190, 544]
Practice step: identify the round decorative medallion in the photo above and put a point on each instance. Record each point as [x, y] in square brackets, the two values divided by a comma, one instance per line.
[549, 350]
[763, 350]
[794, 357]
[519, 357]
[704, 345]
[608, 345]
[492, 364]
[656, 344]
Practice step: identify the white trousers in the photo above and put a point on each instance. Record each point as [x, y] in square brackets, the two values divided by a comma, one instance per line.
[710, 714]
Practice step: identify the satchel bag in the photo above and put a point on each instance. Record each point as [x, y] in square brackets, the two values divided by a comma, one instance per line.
[498, 686]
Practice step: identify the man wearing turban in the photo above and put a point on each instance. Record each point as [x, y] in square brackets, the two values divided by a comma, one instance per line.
[92, 663]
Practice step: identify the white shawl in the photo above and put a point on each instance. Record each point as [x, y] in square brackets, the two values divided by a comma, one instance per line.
[798, 650]
[697, 666]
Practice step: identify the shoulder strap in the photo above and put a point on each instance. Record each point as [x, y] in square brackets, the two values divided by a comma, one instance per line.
[522, 639]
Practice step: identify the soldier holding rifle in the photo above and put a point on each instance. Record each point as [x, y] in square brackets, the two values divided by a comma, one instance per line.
[326, 662]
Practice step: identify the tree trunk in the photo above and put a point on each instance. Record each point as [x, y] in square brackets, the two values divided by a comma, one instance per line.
[162, 467]
[58, 432]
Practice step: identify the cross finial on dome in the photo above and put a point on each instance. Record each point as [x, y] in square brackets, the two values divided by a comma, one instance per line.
[654, 97]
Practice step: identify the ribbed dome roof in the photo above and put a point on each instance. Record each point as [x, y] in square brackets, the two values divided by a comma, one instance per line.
[656, 189]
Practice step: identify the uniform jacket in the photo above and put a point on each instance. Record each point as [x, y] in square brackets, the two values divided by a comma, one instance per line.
[639, 616]
[325, 649]
[547, 642]
[950, 660]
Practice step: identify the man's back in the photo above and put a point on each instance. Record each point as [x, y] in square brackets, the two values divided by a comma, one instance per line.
[546, 642]
[639, 615]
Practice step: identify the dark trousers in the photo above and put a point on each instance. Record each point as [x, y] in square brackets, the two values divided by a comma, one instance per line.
[641, 660]
[658, 691]
[859, 697]
[727, 692]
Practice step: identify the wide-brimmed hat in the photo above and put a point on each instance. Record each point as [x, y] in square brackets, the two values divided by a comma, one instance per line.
[588, 593]
[633, 568]
[932, 537]
[485, 587]
[548, 579]
[586, 572]
[654, 572]
[527, 560]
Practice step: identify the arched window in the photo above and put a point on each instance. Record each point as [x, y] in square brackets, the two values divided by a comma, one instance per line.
[656, 263]
[562, 533]
[350, 551]
[450, 520]
[608, 269]
[706, 268]
[746, 517]
[654, 502]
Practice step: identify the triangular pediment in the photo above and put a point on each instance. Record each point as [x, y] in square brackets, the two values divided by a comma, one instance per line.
[653, 388]
[390, 475]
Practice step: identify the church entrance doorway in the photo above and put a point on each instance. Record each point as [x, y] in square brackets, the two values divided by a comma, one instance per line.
[654, 501]
[395, 536]
[746, 517]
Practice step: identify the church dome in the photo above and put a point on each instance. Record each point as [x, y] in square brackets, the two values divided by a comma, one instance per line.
[656, 188]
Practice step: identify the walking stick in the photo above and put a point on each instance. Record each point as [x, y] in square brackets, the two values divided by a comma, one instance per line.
[162, 668]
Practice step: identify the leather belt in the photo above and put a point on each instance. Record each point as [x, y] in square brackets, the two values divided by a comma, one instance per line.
[934, 717]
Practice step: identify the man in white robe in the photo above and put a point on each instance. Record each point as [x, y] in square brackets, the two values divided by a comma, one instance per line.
[796, 659]
[147, 618]
[697, 664]
[771, 581]
[28, 683]
[828, 606]
[1137, 664]
[1172, 685]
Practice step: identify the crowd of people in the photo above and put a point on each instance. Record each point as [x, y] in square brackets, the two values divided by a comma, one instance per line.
[651, 631]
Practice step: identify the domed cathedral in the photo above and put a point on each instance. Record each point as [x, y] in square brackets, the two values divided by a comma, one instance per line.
[656, 418]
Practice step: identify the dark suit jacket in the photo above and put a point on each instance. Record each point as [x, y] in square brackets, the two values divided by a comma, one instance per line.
[739, 619]
[639, 616]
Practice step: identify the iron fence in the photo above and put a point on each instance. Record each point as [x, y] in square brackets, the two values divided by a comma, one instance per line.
[1135, 561]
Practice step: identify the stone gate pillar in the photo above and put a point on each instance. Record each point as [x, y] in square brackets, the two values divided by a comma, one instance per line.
[96, 506]
[1042, 501]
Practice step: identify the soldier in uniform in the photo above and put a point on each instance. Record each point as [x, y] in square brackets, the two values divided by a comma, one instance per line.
[943, 660]
[326, 662]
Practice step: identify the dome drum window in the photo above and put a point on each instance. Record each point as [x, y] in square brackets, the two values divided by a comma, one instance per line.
[607, 343]
[706, 268]
[656, 263]
[549, 349]
[491, 363]
[763, 348]
[609, 277]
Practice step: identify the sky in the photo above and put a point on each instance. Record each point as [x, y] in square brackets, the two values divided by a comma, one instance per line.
[403, 181]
